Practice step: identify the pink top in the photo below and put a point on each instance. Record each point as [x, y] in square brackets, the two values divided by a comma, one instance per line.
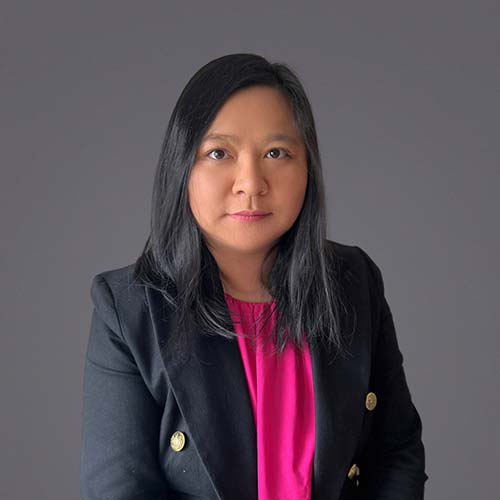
[282, 395]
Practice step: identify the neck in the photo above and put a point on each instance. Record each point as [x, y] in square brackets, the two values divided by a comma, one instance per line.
[240, 275]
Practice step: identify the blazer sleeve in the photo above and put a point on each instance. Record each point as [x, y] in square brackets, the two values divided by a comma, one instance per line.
[397, 469]
[121, 419]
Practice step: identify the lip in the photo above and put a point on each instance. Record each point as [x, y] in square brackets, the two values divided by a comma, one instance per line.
[250, 215]
[251, 212]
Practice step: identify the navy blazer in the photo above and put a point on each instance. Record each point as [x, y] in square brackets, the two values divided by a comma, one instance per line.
[135, 399]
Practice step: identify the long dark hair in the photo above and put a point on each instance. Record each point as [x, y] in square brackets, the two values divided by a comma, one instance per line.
[304, 277]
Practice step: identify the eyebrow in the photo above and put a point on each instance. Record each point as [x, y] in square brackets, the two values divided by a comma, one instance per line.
[270, 137]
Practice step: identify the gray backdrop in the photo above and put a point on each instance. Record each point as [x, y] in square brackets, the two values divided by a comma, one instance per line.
[406, 99]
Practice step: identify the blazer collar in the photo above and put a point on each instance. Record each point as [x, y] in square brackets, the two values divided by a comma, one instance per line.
[209, 384]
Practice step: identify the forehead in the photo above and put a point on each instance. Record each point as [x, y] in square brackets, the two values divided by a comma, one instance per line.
[275, 136]
[260, 112]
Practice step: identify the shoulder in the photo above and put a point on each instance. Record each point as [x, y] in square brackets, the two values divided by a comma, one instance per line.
[354, 259]
[118, 295]
[351, 260]
[119, 289]
[121, 282]
[117, 275]
[360, 276]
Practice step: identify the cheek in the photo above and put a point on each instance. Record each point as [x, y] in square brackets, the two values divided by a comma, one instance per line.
[205, 195]
[292, 190]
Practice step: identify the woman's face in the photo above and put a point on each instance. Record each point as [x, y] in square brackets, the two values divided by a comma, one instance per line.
[260, 164]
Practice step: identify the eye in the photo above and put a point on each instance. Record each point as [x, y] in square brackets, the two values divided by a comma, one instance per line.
[214, 150]
[287, 153]
[220, 157]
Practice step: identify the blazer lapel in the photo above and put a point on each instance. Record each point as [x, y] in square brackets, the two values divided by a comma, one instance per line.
[209, 384]
[339, 391]
[210, 387]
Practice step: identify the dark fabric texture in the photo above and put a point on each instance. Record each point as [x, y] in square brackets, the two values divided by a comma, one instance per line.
[135, 397]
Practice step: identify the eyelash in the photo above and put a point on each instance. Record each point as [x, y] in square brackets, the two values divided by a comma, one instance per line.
[287, 153]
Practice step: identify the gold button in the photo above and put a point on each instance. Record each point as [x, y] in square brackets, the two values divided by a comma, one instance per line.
[371, 401]
[177, 441]
[353, 471]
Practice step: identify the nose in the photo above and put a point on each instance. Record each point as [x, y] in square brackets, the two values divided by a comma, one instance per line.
[249, 177]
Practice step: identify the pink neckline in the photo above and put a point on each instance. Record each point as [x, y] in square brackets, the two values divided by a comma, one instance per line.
[246, 301]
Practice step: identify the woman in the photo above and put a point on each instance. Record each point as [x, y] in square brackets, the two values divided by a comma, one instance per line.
[245, 356]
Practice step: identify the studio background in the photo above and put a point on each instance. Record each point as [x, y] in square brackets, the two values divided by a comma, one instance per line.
[406, 97]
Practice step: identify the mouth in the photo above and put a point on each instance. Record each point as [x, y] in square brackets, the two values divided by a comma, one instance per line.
[251, 217]
[251, 212]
